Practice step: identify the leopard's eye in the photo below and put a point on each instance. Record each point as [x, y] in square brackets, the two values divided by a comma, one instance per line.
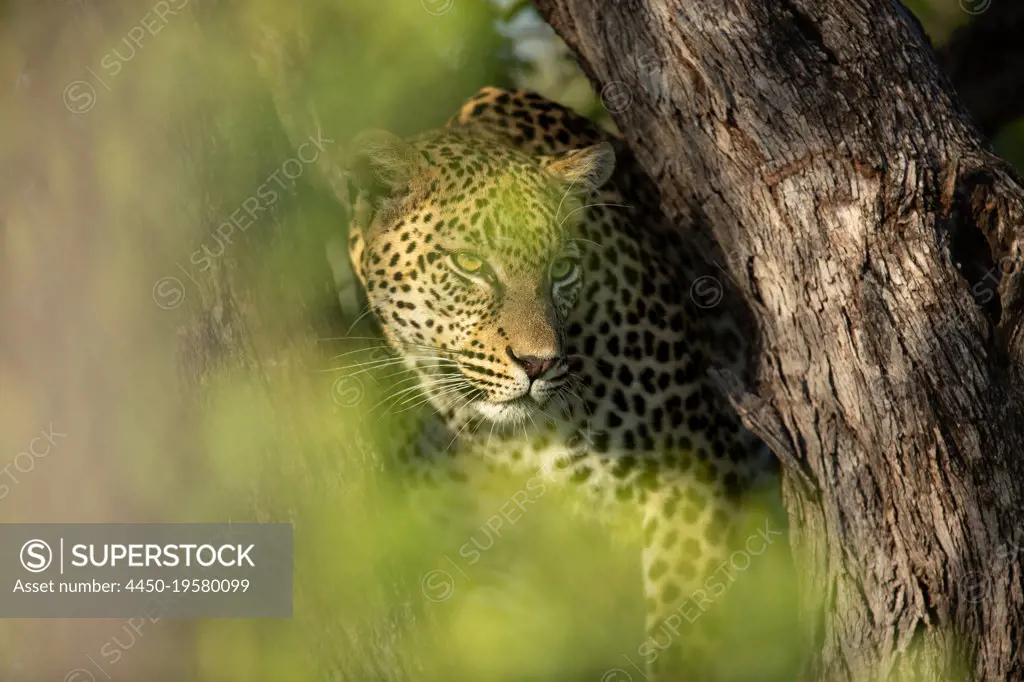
[468, 262]
[562, 268]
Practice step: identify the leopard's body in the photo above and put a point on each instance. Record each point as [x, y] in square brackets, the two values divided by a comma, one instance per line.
[544, 303]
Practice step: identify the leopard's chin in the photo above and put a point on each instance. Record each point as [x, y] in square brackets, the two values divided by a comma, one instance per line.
[512, 411]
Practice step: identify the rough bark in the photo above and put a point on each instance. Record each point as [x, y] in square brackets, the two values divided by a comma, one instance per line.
[876, 241]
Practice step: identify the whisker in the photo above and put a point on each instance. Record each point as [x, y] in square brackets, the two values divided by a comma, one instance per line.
[454, 386]
[386, 362]
[431, 383]
[581, 239]
[417, 403]
[532, 421]
[583, 403]
[579, 208]
[439, 364]
[387, 349]
[564, 195]
[369, 309]
[420, 400]
[367, 349]
[384, 343]
[366, 364]
[566, 406]
[425, 388]
[469, 397]
[417, 376]
[459, 432]
[493, 424]
[553, 419]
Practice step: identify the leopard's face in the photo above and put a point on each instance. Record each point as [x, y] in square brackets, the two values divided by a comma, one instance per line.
[471, 267]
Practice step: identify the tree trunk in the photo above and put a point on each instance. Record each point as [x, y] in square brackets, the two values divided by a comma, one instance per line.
[875, 240]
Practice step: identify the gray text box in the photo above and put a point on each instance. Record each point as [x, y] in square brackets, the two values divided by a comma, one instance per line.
[97, 570]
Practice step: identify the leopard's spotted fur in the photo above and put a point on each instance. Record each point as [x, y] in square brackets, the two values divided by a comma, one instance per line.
[601, 376]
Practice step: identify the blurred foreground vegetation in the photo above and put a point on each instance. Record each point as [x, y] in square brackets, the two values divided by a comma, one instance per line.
[124, 153]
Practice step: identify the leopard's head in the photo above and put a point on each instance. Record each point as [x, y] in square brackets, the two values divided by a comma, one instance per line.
[466, 250]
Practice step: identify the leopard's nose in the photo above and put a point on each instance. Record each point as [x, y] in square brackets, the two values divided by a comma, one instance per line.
[533, 365]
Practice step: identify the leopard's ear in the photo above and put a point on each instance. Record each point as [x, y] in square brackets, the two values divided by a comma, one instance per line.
[583, 169]
[381, 164]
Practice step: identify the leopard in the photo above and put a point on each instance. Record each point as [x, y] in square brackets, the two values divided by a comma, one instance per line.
[518, 262]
